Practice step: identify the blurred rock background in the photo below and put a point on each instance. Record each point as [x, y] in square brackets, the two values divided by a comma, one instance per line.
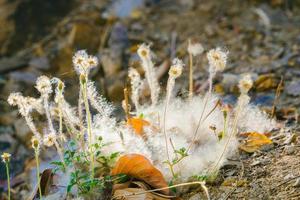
[39, 37]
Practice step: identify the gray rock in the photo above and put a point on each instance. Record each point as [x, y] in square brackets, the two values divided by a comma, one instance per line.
[22, 130]
[293, 88]
[290, 149]
[41, 63]
[297, 183]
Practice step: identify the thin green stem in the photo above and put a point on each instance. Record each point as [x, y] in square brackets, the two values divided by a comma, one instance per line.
[38, 172]
[8, 179]
[89, 124]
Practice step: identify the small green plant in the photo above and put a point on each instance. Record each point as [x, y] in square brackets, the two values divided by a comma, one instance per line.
[6, 158]
[77, 162]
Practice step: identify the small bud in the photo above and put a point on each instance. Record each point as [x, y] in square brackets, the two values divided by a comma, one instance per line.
[213, 127]
[35, 143]
[217, 59]
[245, 84]
[60, 86]
[49, 140]
[5, 157]
[176, 68]
[195, 48]
[144, 51]
[82, 79]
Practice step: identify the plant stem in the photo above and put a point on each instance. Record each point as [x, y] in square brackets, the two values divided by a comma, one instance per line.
[126, 104]
[38, 172]
[170, 86]
[191, 76]
[207, 96]
[89, 124]
[60, 152]
[233, 131]
[8, 179]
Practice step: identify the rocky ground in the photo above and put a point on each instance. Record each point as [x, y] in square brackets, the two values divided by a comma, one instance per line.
[263, 38]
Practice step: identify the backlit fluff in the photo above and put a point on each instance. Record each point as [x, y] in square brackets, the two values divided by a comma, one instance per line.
[136, 84]
[83, 62]
[43, 85]
[148, 66]
[5, 157]
[176, 68]
[245, 84]
[195, 48]
[217, 59]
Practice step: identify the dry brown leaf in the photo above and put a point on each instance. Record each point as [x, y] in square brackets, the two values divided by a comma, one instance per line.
[46, 180]
[230, 182]
[139, 167]
[254, 142]
[138, 125]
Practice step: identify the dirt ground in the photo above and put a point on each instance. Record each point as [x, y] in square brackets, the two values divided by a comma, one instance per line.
[263, 38]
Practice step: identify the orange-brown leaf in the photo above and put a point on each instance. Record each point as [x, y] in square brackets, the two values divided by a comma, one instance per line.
[139, 167]
[138, 125]
[254, 142]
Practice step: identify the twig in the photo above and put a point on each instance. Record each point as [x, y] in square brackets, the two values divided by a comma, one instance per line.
[286, 182]
[277, 94]
[202, 184]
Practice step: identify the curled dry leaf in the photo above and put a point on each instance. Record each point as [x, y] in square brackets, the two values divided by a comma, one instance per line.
[139, 167]
[138, 125]
[254, 142]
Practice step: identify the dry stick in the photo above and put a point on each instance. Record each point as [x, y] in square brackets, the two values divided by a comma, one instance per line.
[277, 94]
[191, 74]
[207, 96]
[202, 184]
[286, 182]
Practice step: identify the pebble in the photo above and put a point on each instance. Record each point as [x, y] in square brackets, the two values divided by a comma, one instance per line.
[293, 88]
[288, 176]
[195, 197]
[41, 63]
[22, 130]
[290, 149]
[297, 183]
[257, 162]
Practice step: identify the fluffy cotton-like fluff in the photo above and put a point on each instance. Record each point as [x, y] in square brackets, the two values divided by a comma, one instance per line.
[106, 128]
[133, 143]
[119, 138]
[181, 121]
[253, 119]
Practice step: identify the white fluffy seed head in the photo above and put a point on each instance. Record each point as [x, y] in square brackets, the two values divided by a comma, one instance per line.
[176, 68]
[49, 140]
[245, 84]
[5, 157]
[35, 143]
[14, 98]
[195, 48]
[43, 85]
[217, 59]
[144, 51]
[83, 62]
